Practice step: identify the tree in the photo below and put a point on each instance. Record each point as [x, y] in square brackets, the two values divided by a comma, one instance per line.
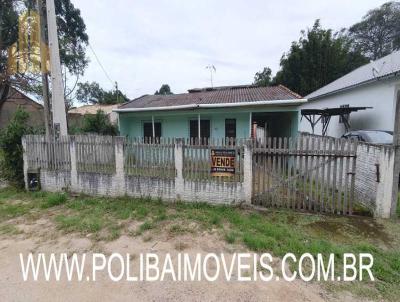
[11, 164]
[378, 34]
[8, 35]
[92, 93]
[72, 35]
[263, 78]
[164, 90]
[318, 58]
[98, 123]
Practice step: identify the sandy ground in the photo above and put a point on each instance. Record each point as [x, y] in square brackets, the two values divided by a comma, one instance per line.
[41, 236]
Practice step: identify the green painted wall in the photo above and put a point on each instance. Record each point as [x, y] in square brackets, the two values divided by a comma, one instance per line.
[176, 123]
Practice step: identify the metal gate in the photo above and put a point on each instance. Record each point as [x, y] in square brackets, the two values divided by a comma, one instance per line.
[308, 173]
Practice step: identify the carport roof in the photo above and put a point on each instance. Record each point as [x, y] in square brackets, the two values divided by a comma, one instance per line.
[243, 94]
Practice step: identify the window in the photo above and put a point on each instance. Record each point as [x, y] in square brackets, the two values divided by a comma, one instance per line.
[230, 128]
[148, 129]
[204, 129]
[346, 116]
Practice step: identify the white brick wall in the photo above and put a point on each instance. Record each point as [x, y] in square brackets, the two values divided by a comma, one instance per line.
[374, 174]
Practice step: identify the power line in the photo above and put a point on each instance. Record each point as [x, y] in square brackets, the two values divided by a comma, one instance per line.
[101, 65]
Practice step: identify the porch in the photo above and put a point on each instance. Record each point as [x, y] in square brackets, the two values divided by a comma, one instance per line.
[216, 123]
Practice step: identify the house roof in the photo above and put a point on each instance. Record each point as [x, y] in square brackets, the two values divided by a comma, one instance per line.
[92, 109]
[228, 95]
[382, 68]
[15, 94]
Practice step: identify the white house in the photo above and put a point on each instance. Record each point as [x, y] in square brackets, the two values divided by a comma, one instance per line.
[372, 85]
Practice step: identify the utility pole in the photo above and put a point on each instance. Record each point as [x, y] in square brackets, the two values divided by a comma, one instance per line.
[58, 103]
[43, 59]
[116, 90]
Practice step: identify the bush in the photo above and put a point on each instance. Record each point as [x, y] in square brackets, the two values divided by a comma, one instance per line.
[98, 123]
[11, 163]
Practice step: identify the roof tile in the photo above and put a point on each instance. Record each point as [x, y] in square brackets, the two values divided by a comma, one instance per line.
[233, 94]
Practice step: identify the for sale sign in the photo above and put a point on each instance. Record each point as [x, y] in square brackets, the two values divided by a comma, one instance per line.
[223, 162]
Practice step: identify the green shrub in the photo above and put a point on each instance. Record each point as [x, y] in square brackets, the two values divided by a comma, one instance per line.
[11, 163]
[98, 123]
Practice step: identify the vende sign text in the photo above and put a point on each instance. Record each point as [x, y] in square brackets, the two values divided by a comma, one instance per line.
[223, 162]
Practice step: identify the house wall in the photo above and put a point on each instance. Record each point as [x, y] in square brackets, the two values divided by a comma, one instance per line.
[16, 99]
[176, 123]
[379, 95]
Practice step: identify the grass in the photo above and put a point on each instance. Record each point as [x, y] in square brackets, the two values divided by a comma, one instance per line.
[230, 237]
[278, 232]
[54, 199]
[8, 229]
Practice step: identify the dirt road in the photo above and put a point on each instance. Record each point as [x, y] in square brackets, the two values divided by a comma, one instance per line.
[42, 236]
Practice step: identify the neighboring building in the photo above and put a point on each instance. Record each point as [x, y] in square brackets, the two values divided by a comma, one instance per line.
[219, 112]
[75, 115]
[372, 85]
[17, 99]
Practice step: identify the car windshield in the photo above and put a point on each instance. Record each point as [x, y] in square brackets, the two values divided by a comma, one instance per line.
[379, 137]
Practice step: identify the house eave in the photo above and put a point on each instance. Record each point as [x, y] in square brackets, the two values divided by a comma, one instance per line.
[293, 102]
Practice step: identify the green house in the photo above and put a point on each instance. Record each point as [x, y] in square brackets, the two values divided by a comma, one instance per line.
[235, 111]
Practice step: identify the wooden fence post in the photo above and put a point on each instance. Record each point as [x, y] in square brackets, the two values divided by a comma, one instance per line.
[74, 170]
[25, 159]
[179, 182]
[248, 171]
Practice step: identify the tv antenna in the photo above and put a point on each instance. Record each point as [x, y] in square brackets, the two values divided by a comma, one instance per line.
[377, 71]
[212, 69]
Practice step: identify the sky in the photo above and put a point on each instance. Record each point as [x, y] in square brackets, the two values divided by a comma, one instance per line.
[144, 44]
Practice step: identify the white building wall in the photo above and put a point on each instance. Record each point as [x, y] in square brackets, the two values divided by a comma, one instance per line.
[379, 95]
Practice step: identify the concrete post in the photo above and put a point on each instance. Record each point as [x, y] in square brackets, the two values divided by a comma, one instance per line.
[179, 183]
[57, 87]
[74, 170]
[119, 177]
[396, 164]
[25, 159]
[386, 186]
[248, 171]
[119, 156]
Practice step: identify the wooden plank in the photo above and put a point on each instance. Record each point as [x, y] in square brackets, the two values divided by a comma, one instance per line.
[346, 176]
[334, 168]
[317, 197]
[340, 178]
[322, 186]
[306, 174]
[353, 176]
[269, 170]
[273, 172]
[289, 175]
[311, 174]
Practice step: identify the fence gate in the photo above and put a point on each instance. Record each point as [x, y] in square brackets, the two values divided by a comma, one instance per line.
[306, 173]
